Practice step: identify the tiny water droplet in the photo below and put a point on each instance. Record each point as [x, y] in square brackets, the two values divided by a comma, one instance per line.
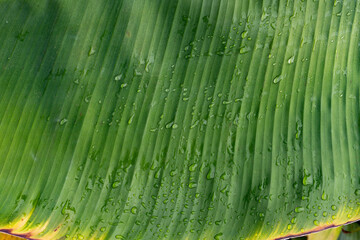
[169, 125]
[244, 50]
[244, 34]
[316, 222]
[118, 77]
[299, 209]
[134, 210]
[91, 51]
[324, 196]
[333, 207]
[116, 184]
[307, 180]
[277, 79]
[192, 167]
[291, 60]
[218, 236]
[63, 121]
[131, 119]
[192, 185]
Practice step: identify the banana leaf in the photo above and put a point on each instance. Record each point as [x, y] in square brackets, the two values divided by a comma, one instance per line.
[178, 119]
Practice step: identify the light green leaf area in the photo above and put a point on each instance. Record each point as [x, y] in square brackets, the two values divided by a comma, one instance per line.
[328, 234]
[178, 119]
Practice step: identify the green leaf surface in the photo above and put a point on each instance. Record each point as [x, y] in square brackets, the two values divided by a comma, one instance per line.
[328, 234]
[350, 232]
[178, 119]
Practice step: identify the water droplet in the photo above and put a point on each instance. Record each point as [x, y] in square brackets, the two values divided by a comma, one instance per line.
[102, 229]
[244, 50]
[307, 180]
[173, 173]
[138, 72]
[63, 121]
[333, 207]
[192, 185]
[244, 34]
[118, 77]
[91, 51]
[299, 209]
[116, 184]
[87, 99]
[278, 79]
[192, 167]
[291, 60]
[316, 222]
[357, 192]
[134, 210]
[131, 119]
[119, 236]
[289, 226]
[324, 196]
[218, 236]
